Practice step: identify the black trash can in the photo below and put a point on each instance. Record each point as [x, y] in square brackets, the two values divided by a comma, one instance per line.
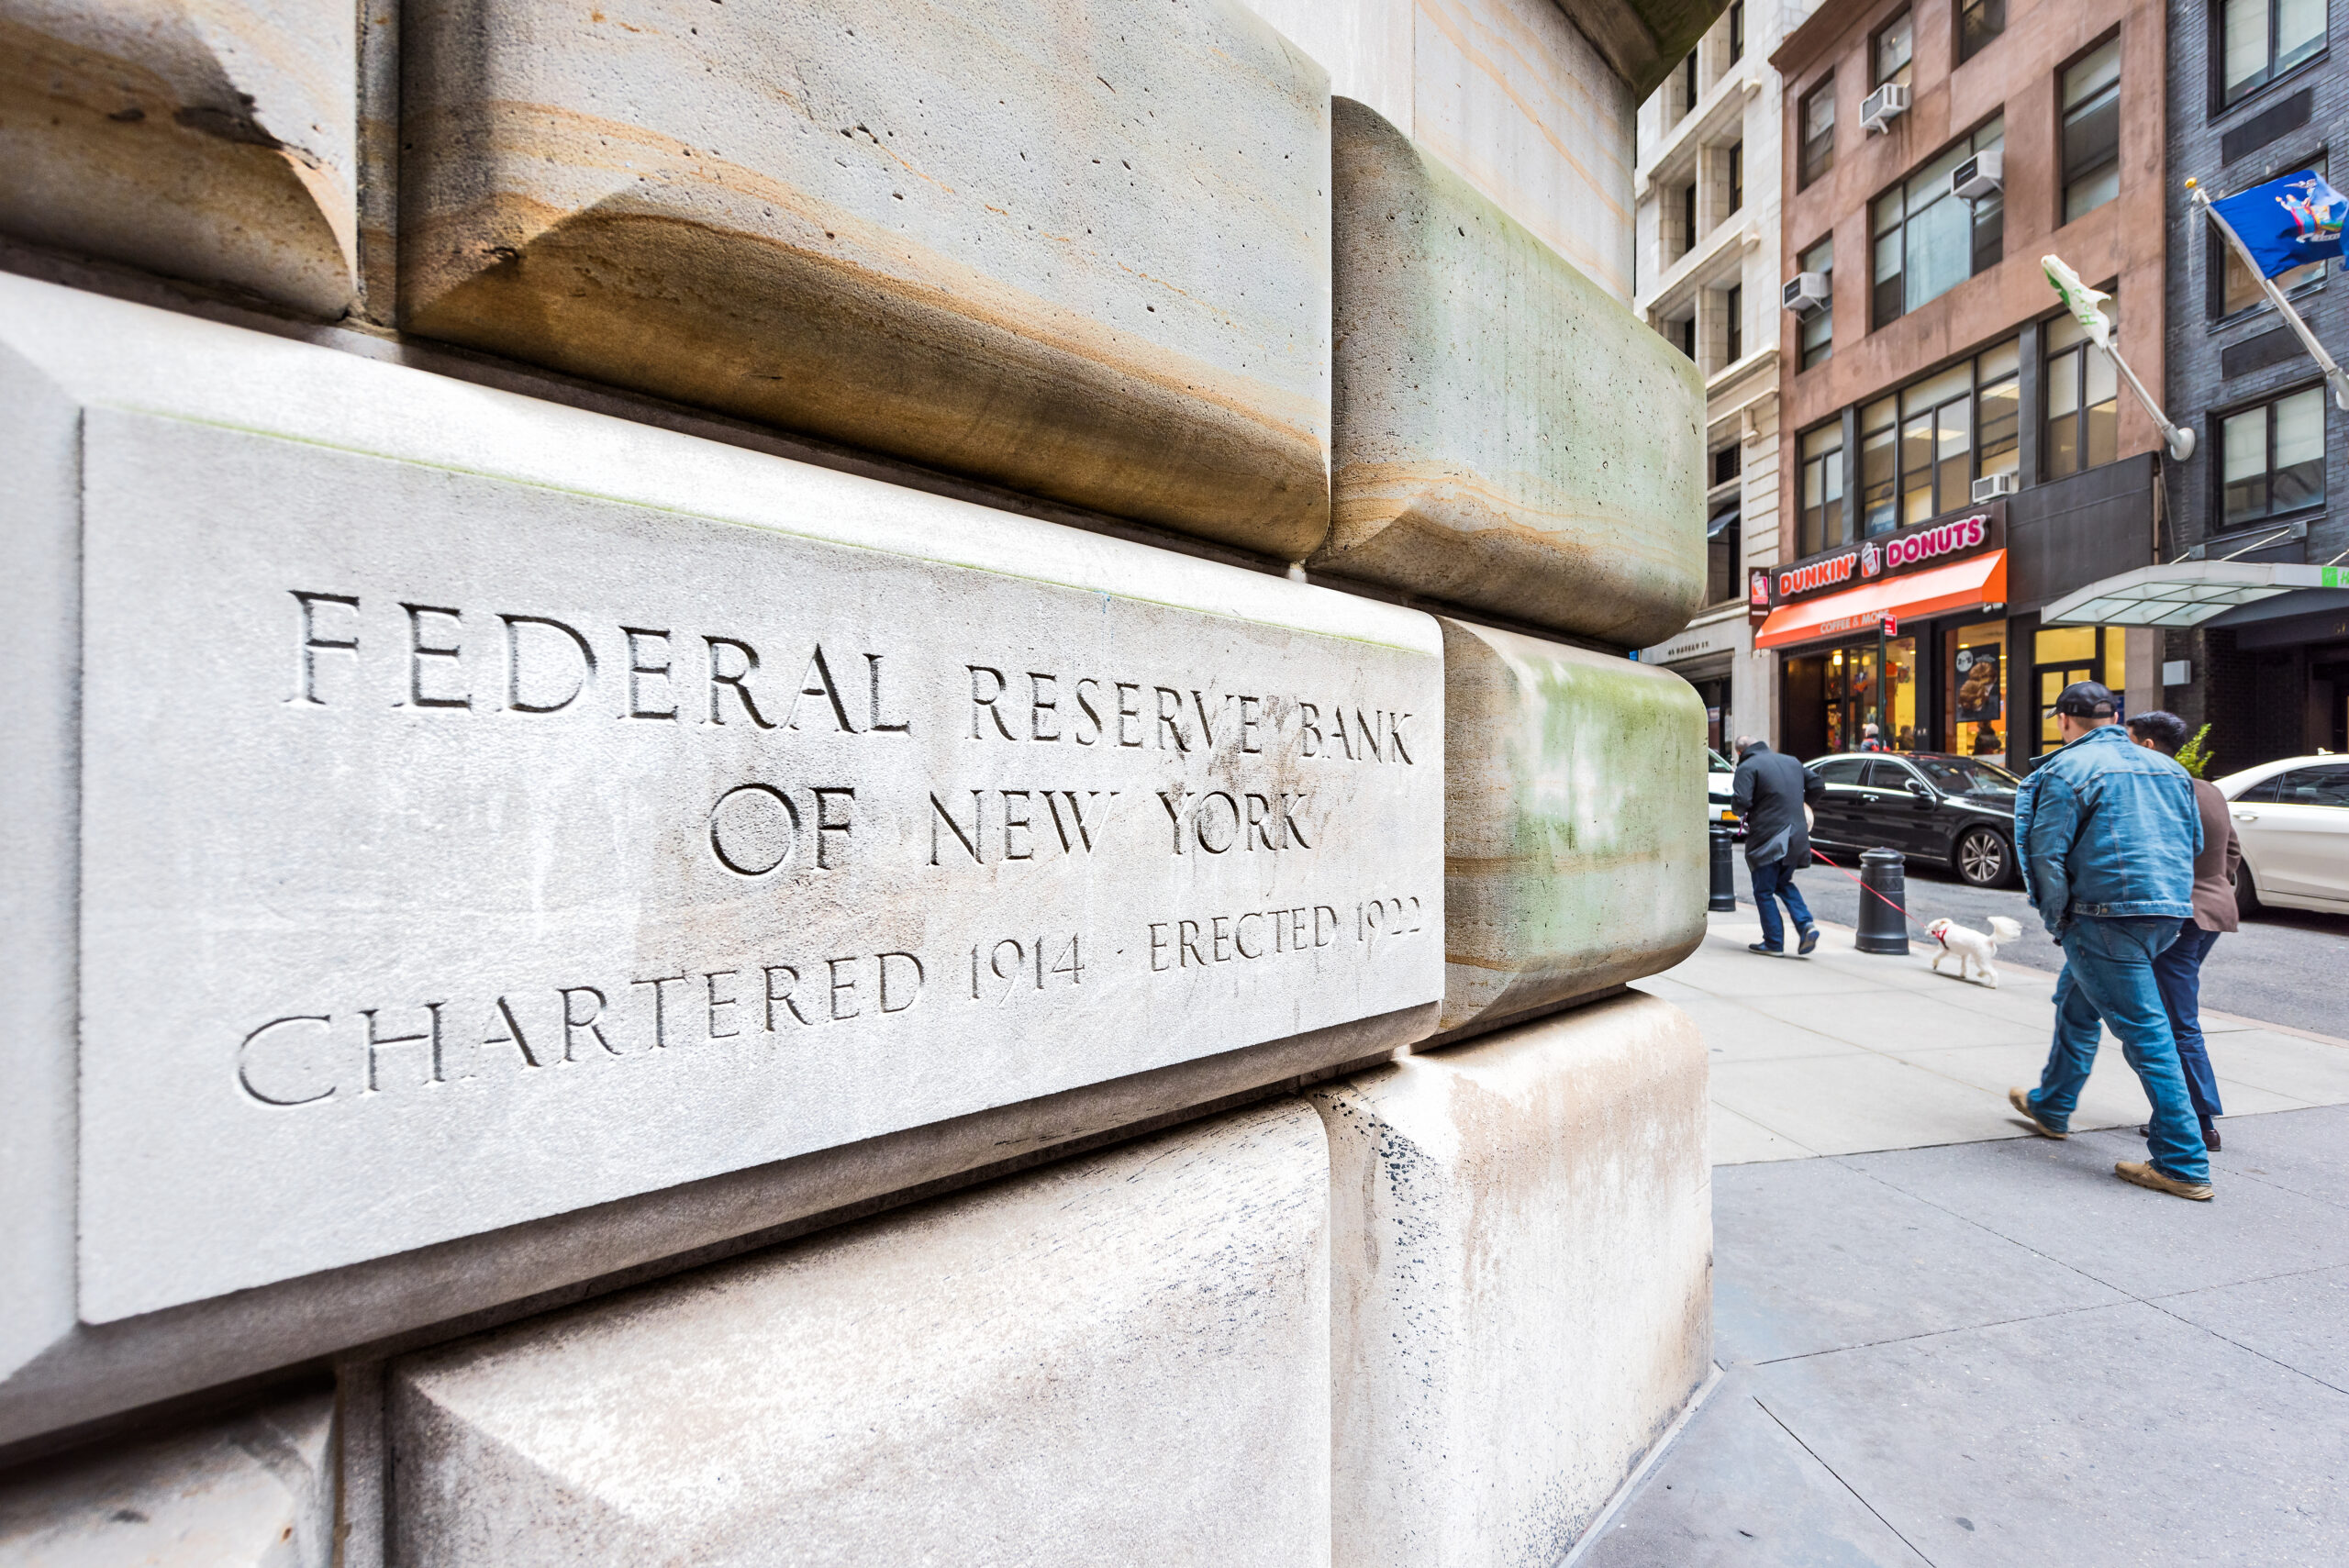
[1884, 903]
[1724, 892]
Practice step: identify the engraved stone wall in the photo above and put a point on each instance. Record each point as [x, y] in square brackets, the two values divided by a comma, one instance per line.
[1083, 255]
[1574, 831]
[490, 810]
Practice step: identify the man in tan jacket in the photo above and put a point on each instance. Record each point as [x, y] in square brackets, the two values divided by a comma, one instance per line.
[2178, 971]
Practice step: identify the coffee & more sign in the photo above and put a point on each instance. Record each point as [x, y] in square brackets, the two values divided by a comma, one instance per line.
[1904, 550]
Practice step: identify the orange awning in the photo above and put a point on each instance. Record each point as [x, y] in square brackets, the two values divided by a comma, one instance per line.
[1979, 580]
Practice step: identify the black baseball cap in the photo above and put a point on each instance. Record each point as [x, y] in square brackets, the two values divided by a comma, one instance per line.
[2088, 699]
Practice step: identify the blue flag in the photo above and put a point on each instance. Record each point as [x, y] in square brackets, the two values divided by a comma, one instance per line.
[2286, 223]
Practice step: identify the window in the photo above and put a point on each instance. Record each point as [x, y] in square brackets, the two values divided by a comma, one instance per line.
[1687, 218]
[1816, 334]
[2327, 784]
[1736, 177]
[1683, 335]
[2261, 40]
[1732, 324]
[1927, 240]
[1841, 770]
[1688, 82]
[1922, 448]
[2083, 421]
[1728, 463]
[1736, 31]
[1821, 522]
[1978, 21]
[2271, 459]
[1816, 118]
[2238, 285]
[1724, 571]
[2092, 131]
[1888, 54]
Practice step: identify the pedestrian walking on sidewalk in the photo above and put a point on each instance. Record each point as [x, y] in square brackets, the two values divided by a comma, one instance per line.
[2178, 971]
[1771, 794]
[2106, 833]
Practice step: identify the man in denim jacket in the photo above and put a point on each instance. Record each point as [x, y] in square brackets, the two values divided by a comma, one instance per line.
[2106, 832]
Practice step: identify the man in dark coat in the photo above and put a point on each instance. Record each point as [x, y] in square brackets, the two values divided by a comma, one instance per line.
[1769, 794]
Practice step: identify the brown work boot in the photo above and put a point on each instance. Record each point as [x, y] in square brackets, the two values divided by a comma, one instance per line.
[2021, 1103]
[2145, 1175]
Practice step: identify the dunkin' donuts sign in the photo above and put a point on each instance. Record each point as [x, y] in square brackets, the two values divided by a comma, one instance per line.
[1887, 555]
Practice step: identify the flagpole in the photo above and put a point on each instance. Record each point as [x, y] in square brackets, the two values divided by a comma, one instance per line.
[2085, 303]
[2332, 373]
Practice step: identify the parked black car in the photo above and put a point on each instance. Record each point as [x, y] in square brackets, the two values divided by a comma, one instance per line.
[1927, 804]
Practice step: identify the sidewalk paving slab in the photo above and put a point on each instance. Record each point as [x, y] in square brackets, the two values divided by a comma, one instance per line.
[2064, 1200]
[1875, 1264]
[1740, 1140]
[2295, 1319]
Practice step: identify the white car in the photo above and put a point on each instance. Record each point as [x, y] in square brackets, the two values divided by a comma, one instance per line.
[2292, 817]
[1720, 776]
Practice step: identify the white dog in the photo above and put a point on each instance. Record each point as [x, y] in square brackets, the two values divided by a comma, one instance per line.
[1972, 949]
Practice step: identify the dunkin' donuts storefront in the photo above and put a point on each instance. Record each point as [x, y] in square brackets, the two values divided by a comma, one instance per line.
[1904, 632]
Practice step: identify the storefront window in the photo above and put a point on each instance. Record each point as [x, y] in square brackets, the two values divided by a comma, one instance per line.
[1900, 695]
[1976, 702]
[2061, 655]
[1852, 698]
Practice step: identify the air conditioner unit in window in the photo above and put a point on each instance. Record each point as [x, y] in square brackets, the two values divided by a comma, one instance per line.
[1992, 486]
[1881, 107]
[1978, 176]
[1807, 293]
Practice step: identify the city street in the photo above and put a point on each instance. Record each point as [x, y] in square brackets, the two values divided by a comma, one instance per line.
[1943, 1340]
[2284, 965]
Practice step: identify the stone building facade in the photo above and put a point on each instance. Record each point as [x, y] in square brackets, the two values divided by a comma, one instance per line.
[2271, 679]
[1707, 185]
[840, 784]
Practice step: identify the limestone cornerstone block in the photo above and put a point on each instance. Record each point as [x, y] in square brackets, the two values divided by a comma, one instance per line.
[256, 1492]
[1079, 249]
[1119, 1359]
[1574, 822]
[1521, 1239]
[490, 809]
[1507, 435]
[208, 140]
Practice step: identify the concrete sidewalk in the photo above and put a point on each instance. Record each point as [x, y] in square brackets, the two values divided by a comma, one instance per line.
[1946, 1342]
[1845, 1051]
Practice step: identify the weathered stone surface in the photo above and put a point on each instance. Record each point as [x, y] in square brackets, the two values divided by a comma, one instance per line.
[1644, 40]
[1119, 1359]
[1079, 250]
[208, 140]
[1507, 435]
[490, 809]
[1574, 822]
[258, 1491]
[1521, 1260]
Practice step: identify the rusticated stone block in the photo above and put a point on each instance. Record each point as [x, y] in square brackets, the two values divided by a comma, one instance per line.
[257, 1492]
[1574, 822]
[208, 140]
[1520, 1259]
[1507, 435]
[1119, 1359]
[1079, 250]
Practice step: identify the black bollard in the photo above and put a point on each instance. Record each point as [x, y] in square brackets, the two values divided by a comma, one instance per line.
[1884, 903]
[1724, 896]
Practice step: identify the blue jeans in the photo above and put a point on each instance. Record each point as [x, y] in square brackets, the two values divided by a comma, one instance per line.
[2178, 973]
[1772, 883]
[2108, 976]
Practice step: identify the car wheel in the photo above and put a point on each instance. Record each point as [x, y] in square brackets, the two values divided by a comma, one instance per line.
[1981, 858]
[2246, 892]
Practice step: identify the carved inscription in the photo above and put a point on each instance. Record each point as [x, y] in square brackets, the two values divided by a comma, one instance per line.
[457, 853]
